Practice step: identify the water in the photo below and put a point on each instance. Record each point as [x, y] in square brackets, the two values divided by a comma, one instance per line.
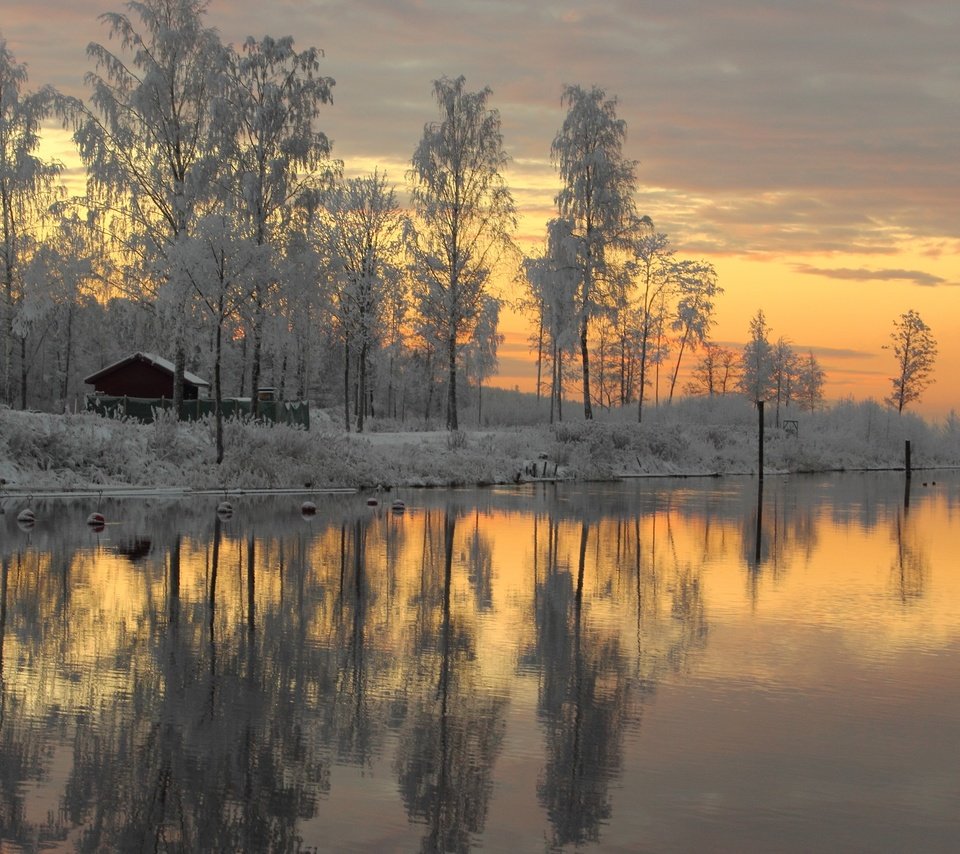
[650, 666]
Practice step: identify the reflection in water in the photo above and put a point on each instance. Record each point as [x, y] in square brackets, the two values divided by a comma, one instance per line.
[486, 669]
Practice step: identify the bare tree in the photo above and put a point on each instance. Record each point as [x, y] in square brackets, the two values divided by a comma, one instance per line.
[915, 350]
[652, 267]
[464, 216]
[715, 371]
[596, 197]
[26, 191]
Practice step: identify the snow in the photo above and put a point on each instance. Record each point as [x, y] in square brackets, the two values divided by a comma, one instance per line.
[86, 452]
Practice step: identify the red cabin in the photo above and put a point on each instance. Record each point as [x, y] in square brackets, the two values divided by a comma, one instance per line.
[144, 375]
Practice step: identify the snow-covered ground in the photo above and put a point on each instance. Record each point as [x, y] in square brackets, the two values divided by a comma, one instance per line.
[44, 452]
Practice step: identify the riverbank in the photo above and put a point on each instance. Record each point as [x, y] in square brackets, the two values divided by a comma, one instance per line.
[70, 452]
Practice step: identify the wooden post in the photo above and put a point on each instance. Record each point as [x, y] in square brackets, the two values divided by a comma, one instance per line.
[906, 454]
[760, 439]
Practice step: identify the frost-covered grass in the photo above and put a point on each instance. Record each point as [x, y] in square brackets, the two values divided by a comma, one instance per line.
[690, 437]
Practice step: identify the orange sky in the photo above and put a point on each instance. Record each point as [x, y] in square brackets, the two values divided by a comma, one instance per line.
[807, 150]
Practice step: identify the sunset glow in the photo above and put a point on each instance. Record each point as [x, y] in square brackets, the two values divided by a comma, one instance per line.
[806, 150]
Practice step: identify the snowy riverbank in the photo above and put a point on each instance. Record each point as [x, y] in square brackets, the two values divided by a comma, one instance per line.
[41, 451]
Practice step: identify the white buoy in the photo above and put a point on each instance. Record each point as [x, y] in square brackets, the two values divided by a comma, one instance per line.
[225, 510]
[26, 520]
[308, 508]
[398, 506]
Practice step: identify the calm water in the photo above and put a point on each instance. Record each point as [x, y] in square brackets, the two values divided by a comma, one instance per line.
[653, 666]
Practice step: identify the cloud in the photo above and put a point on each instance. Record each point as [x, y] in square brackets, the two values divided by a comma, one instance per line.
[861, 274]
[759, 126]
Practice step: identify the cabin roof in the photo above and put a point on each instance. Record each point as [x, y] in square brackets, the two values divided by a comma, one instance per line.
[151, 359]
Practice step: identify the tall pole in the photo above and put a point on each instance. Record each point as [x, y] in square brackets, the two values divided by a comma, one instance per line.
[760, 439]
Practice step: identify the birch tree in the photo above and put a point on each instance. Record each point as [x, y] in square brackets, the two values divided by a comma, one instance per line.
[27, 188]
[464, 217]
[697, 289]
[810, 379]
[596, 196]
[275, 156]
[915, 350]
[756, 361]
[145, 138]
[365, 230]
[652, 268]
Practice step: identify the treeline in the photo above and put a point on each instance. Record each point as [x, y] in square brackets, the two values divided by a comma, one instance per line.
[217, 228]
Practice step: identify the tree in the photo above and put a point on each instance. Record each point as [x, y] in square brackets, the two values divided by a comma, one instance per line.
[652, 267]
[552, 280]
[810, 377]
[481, 349]
[756, 361]
[596, 197]
[273, 154]
[464, 216]
[697, 288]
[364, 232]
[784, 373]
[714, 372]
[915, 350]
[145, 138]
[26, 191]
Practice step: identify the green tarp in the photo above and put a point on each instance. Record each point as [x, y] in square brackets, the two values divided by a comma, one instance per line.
[296, 413]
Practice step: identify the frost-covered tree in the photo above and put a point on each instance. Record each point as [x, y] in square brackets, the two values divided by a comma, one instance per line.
[364, 231]
[696, 289]
[652, 267]
[596, 197]
[145, 138]
[275, 157]
[785, 367]
[480, 352]
[464, 217]
[915, 350]
[756, 361]
[217, 262]
[27, 188]
[553, 282]
[810, 379]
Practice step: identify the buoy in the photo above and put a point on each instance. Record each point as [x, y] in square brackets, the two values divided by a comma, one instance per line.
[373, 502]
[398, 506]
[26, 520]
[308, 508]
[225, 510]
[96, 519]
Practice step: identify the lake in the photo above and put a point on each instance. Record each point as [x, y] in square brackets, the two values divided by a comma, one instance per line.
[655, 665]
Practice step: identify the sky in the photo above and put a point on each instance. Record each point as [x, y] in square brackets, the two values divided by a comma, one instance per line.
[807, 149]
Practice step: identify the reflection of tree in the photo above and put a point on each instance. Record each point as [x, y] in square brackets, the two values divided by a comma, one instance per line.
[445, 758]
[480, 566]
[910, 565]
[584, 706]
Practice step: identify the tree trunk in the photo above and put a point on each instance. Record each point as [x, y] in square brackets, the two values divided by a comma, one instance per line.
[676, 370]
[585, 356]
[452, 384]
[217, 389]
[257, 355]
[23, 372]
[346, 383]
[362, 383]
[179, 365]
